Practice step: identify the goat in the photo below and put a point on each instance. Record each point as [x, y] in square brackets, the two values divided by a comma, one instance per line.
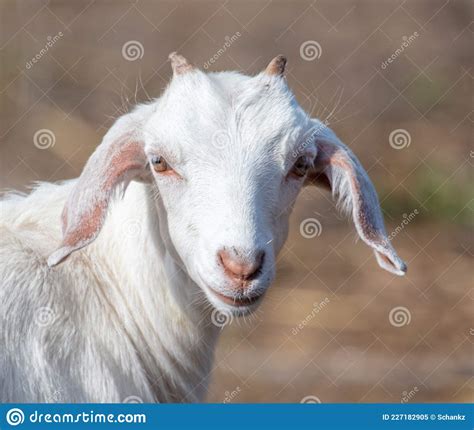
[180, 210]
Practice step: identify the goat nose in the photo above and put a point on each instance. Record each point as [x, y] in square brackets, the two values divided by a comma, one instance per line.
[239, 268]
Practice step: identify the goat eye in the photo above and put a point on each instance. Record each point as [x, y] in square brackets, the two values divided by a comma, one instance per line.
[300, 167]
[159, 164]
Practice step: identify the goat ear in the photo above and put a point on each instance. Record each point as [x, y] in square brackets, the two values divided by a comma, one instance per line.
[337, 167]
[116, 161]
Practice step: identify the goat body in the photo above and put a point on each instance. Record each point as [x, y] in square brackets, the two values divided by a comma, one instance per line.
[93, 330]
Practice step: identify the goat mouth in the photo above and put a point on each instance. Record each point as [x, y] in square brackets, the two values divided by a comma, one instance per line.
[237, 301]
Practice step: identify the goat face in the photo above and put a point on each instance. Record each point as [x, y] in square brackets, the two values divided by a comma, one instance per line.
[221, 151]
[228, 154]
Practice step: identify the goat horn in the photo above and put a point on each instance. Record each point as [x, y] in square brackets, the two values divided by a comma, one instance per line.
[276, 67]
[179, 64]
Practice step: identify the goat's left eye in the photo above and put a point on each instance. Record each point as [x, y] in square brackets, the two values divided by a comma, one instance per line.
[159, 164]
[300, 168]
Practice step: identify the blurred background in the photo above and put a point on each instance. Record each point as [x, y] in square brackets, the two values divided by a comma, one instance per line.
[394, 80]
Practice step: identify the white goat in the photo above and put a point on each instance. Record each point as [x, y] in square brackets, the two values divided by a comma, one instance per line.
[213, 168]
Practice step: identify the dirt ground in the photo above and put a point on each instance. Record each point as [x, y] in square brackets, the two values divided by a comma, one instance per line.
[334, 327]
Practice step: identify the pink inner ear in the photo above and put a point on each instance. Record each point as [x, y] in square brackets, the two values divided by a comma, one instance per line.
[335, 161]
[89, 225]
[128, 157]
[84, 214]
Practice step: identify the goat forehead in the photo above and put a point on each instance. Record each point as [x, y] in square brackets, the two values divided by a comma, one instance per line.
[228, 115]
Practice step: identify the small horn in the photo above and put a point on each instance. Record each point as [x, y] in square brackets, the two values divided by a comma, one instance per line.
[276, 66]
[179, 64]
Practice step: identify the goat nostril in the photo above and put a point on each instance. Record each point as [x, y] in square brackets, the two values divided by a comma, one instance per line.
[239, 268]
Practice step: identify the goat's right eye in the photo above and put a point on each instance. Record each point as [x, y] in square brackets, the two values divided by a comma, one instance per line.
[159, 164]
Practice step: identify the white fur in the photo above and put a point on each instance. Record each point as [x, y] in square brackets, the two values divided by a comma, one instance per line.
[130, 312]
